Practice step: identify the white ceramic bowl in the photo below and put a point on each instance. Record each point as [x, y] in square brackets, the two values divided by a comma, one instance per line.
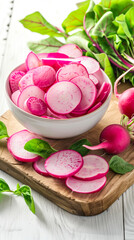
[59, 128]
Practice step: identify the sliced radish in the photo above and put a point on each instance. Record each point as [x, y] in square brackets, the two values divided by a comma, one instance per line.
[16, 143]
[42, 55]
[70, 71]
[72, 50]
[55, 60]
[63, 97]
[54, 115]
[44, 76]
[91, 64]
[96, 106]
[94, 79]
[87, 186]
[103, 92]
[14, 79]
[32, 61]
[36, 106]
[94, 167]
[78, 113]
[25, 107]
[15, 96]
[39, 167]
[26, 80]
[88, 90]
[64, 163]
[30, 91]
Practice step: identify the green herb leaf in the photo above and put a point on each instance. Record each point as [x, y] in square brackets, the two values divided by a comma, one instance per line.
[46, 45]
[35, 22]
[119, 165]
[78, 146]
[4, 186]
[3, 130]
[26, 193]
[40, 147]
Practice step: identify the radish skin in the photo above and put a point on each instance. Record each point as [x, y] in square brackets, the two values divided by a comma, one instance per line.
[39, 167]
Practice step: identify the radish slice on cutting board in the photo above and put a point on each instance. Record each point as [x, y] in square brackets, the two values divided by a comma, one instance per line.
[64, 163]
[39, 167]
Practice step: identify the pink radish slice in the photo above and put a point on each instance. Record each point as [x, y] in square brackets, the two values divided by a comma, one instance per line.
[64, 163]
[88, 186]
[42, 55]
[103, 92]
[45, 116]
[52, 114]
[14, 79]
[39, 167]
[91, 64]
[30, 91]
[94, 167]
[44, 76]
[26, 80]
[16, 143]
[25, 107]
[88, 90]
[36, 106]
[72, 50]
[63, 97]
[94, 79]
[96, 106]
[55, 60]
[67, 72]
[32, 61]
[78, 113]
[15, 96]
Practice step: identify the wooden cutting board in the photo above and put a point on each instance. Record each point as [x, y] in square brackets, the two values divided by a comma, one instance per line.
[55, 189]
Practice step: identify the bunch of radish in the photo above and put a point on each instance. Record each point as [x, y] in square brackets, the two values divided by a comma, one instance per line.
[55, 85]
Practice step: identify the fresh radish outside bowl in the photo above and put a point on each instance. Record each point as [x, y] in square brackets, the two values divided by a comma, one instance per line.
[59, 128]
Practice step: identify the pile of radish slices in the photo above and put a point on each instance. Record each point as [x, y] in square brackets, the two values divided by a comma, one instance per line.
[56, 86]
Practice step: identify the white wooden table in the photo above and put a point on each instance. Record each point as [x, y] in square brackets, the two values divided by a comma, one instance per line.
[50, 222]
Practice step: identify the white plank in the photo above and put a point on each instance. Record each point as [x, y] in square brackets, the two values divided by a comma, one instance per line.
[50, 222]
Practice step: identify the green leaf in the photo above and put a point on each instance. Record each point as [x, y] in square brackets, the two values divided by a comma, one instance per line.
[78, 146]
[99, 11]
[26, 193]
[119, 165]
[4, 186]
[3, 130]
[123, 29]
[129, 17]
[75, 19]
[39, 147]
[35, 22]
[47, 45]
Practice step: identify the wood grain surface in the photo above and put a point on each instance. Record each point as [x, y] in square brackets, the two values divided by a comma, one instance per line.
[55, 189]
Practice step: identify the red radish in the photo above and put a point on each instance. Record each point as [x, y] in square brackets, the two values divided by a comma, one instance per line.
[88, 90]
[39, 167]
[44, 76]
[16, 143]
[55, 60]
[32, 61]
[103, 92]
[96, 106]
[94, 79]
[78, 113]
[63, 97]
[114, 139]
[70, 71]
[91, 64]
[14, 79]
[15, 96]
[36, 106]
[94, 167]
[88, 186]
[125, 99]
[72, 50]
[26, 80]
[64, 163]
[30, 91]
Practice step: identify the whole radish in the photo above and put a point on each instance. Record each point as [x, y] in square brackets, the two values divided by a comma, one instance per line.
[126, 99]
[114, 139]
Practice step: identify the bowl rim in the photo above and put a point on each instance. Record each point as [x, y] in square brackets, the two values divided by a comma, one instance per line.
[29, 115]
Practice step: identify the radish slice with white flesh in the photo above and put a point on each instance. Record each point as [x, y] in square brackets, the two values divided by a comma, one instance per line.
[54, 115]
[42, 55]
[87, 186]
[26, 80]
[14, 79]
[36, 106]
[88, 90]
[94, 167]
[39, 167]
[70, 71]
[16, 143]
[32, 61]
[104, 90]
[55, 60]
[94, 79]
[64, 163]
[96, 106]
[15, 96]
[90, 64]
[63, 97]
[44, 76]
[72, 50]
[30, 91]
